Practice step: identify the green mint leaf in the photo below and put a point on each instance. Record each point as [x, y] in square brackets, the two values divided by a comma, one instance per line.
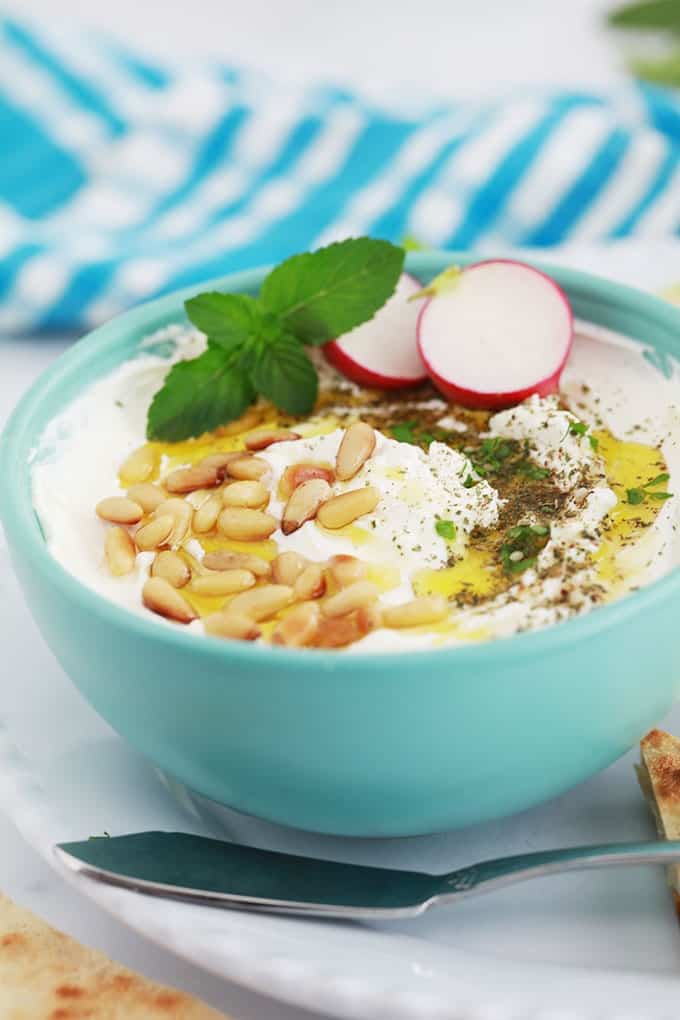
[446, 529]
[320, 295]
[658, 480]
[660, 495]
[199, 395]
[635, 496]
[227, 319]
[648, 14]
[281, 371]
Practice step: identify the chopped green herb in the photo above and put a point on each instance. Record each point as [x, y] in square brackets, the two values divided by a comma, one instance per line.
[579, 428]
[639, 494]
[519, 566]
[403, 431]
[523, 544]
[470, 482]
[490, 456]
[446, 529]
[660, 495]
[533, 471]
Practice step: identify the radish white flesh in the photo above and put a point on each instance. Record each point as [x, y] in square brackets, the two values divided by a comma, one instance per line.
[383, 352]
[499, 333]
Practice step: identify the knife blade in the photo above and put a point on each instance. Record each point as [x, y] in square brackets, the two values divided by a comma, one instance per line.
[185, 866]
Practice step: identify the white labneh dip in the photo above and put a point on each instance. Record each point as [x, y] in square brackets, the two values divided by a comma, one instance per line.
[610, 383]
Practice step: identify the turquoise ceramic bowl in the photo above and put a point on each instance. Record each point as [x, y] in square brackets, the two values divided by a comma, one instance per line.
[367, 745]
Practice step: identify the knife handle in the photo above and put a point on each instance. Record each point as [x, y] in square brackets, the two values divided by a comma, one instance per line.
[494, 874]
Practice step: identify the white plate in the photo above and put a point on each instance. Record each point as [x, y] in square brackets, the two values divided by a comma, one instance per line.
[578, 947]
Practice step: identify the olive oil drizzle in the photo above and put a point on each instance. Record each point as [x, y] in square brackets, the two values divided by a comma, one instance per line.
[531, 499]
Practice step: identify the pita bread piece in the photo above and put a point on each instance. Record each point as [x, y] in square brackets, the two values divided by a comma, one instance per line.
[659, 777]
[46, 975]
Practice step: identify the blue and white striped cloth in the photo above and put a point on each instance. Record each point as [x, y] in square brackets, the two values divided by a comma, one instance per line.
[121, 179]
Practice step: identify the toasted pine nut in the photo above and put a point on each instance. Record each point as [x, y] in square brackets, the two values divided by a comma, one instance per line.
[147, 495]
[120, 551]
[242, 524]
[250, 494]
[172, 568]
[430, 609]
[346, 570]
[139, 466]
[287, 567]
[296, 474]
[248, 420]
[205, 517]
[359, 594]
[299, 627]
[311, 584]
[358, 444]
[247, 468]
[150, 536]
[231, 625]
[219, 461]
[226, 582]
[181, 513]
[345, 630]
[304, 504]
[347, 507]
[260, 603]
[119, 510]
[199, 476]
[160, 597]
[225, 559]
[262, 438]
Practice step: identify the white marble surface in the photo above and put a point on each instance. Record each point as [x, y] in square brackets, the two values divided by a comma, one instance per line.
[434, 46]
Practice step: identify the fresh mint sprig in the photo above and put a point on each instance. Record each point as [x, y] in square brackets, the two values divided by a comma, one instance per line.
[256, 345]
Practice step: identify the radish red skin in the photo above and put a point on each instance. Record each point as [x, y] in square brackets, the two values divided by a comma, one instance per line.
[494, 401]
[370, 377]
[363, 376]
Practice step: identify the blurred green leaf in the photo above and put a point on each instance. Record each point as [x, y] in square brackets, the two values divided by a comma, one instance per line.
[663, 71]
[649, 14]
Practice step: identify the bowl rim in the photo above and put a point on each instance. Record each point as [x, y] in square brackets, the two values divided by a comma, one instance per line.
[18, 514]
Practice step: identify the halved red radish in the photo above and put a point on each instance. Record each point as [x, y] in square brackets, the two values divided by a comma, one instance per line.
[383, 351]
[497, 333]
